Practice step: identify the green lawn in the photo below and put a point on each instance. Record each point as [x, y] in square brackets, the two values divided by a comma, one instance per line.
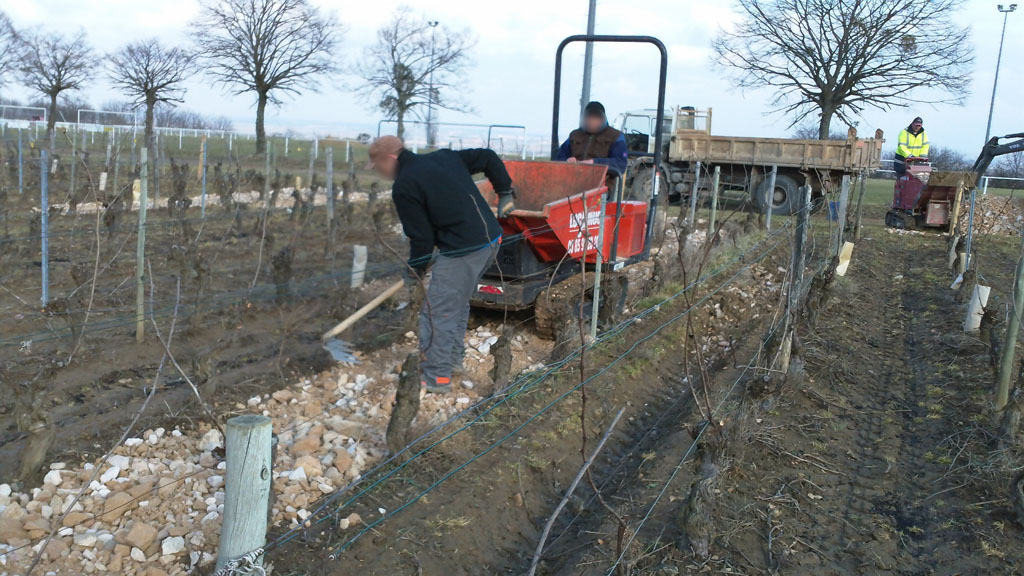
[879, 192]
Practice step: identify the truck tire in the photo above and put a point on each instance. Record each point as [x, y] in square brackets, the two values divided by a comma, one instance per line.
[785, 200]
[641, 191]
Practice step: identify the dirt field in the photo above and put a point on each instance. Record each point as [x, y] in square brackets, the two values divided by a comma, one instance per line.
[880, 459]
[878, 454]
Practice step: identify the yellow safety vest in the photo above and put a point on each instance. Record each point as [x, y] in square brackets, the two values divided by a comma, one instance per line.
[912, 145]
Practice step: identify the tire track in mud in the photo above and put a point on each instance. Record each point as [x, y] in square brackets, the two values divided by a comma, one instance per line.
[887, 526]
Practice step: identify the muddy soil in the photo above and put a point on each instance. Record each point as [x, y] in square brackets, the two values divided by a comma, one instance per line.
[475, 503]
[251, 296]
[876, 457]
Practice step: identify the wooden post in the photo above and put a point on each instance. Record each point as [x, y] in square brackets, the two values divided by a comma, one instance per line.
[769, 198]
[1010, 341]
[140, 254]
[714, 201]
[860, 204]
[309, 177]
[796, 283]
[694, 192]
[44, 204]
[247, 490]
[359, 259]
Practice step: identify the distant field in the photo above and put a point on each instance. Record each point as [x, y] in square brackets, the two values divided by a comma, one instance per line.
[879, 192]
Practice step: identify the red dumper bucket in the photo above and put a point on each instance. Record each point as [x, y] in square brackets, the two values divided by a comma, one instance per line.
[558, 207]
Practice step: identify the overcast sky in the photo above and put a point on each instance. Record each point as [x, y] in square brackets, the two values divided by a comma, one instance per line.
[512, 77]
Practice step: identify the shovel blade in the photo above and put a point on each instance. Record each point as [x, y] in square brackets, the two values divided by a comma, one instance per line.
[341, 351]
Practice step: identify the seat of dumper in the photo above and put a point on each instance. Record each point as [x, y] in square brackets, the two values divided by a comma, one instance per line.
[539, 184]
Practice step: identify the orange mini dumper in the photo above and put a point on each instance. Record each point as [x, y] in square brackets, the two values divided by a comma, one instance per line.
[552, 235]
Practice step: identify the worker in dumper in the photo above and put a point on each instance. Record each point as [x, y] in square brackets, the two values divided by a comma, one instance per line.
[440, 207]
[913, 143]
[595, 142]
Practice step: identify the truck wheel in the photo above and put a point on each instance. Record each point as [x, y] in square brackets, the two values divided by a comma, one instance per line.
[641, 191]
[786, 197]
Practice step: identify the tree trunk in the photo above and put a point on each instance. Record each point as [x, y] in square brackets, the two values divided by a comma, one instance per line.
[825, 124]
[261, 134]
[154, 178]
[400, 115]
[51, 122]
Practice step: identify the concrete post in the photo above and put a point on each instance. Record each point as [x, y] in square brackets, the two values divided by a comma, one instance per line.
[769, 198]
[714, 200]
[694, 192]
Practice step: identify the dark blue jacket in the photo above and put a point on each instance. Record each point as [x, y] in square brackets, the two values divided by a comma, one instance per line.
[615, 158]
[439, 204]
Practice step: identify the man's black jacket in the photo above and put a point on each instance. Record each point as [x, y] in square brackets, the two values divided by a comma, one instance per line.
[439, 204]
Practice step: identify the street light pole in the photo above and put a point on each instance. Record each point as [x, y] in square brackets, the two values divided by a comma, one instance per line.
[431, 137]
[999, 59]
[588, 57]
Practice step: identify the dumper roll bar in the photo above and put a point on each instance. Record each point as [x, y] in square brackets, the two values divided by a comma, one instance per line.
[652, 210]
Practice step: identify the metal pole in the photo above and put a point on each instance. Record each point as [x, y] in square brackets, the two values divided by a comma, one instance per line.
[285, 146]
[714, 200]
[984, 186]
[597, 269]
[348, 150]
[329, 159]
[74, 154]
[844, 201]
[1010, 341]
[248, 454]
[970, 230]
[430, 90]
[203, 201]
[769, 199]
[693, 195]
[588, 57]
[999, 60]
[140, 254]
[21, 170]
[44, 201]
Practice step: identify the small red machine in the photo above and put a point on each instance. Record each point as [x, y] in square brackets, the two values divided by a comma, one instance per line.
[553, 233]
[915, 203]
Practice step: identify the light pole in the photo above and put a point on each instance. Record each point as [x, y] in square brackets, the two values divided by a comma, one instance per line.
[588, 57]
[431, 135]
[1006, 13]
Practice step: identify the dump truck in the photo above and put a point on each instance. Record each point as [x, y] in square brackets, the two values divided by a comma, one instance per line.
[745, 162]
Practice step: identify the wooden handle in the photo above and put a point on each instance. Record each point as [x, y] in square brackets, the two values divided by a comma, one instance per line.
[358, 315]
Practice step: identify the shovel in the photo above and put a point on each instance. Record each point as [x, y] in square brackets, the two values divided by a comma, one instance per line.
[340, 350]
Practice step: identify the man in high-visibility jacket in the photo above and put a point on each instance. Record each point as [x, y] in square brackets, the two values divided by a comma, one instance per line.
[913, 143]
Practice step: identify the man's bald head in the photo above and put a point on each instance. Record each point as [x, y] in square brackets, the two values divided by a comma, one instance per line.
[384, 155]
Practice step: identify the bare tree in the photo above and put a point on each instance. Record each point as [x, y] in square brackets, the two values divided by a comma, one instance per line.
[410, 58]
[52, 64]
[267, 47]
[8, 47]
[151, 74]
[839, 57]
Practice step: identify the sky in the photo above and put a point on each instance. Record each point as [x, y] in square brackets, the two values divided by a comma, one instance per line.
[511, 80]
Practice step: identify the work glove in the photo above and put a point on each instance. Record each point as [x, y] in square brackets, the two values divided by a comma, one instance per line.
[506, 203]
